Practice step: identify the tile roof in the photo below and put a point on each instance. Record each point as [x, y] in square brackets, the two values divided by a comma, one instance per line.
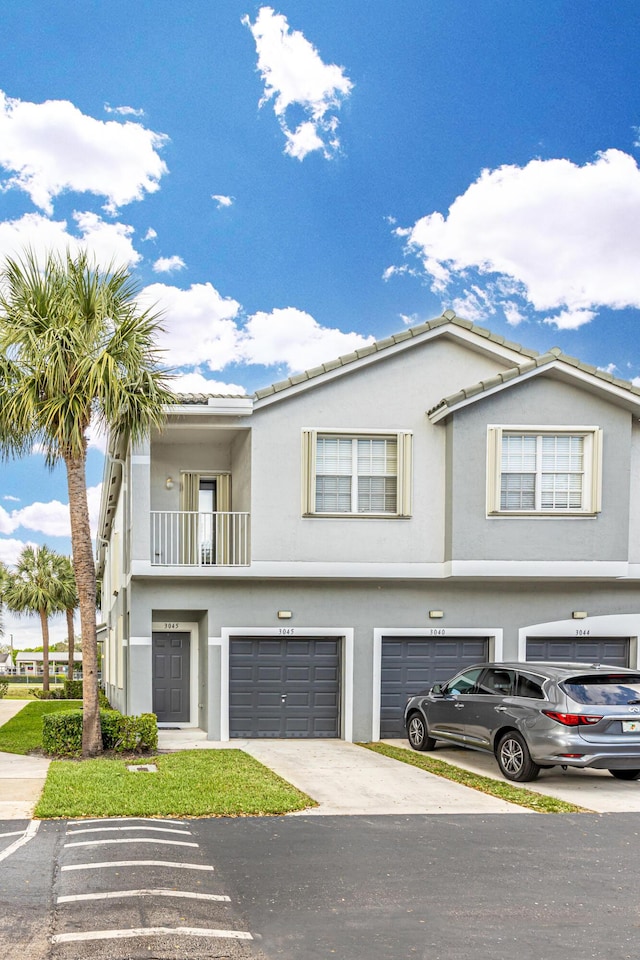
[513, 373]
[447, 318]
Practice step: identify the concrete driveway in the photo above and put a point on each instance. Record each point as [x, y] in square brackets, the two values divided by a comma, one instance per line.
[347, 779]
[595, 790]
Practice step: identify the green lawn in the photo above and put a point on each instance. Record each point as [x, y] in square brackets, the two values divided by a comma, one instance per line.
[191, 783]
[495, 788]
[23, 732]
[26, 691]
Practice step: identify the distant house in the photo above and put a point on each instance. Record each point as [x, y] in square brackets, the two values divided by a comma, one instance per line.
[29, 663]
[6, 664]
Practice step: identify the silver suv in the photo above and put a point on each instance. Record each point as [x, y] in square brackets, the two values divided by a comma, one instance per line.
[535, 715]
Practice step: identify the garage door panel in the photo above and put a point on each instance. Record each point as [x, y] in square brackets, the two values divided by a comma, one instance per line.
[284, 688]
[412, 664]
[608, 650]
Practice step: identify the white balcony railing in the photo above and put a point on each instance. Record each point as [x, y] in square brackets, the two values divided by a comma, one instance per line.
[185, 538]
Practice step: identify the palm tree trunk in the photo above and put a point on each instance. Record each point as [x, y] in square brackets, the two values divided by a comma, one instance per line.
[44, 623]
[85, 574]
[72, 644]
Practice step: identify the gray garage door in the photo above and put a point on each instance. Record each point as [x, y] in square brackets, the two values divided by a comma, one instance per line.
[284, 688]
[613, 650]
[409, 664]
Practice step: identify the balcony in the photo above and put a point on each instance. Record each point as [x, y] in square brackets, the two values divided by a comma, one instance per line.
[183, 538]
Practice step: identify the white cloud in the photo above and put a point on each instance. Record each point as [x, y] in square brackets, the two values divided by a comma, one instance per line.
[198, 383]
[53, 147]
[10, 550]
[222, 200]
[108, 242]
[571, 319]
[295, 76]
[124, 111]
[168, 264]
[151, 234]
[198, 324]
[8, 496]
[552, 234]
[51, 518]
[292, 337]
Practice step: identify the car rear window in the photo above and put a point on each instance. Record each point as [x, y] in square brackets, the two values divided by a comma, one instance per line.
[615, 689]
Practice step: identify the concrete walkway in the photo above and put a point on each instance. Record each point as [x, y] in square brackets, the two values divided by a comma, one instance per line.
[21, 778]
[347, 779]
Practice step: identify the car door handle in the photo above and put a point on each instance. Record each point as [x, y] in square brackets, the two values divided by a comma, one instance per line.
[459, 706]
[501, 709]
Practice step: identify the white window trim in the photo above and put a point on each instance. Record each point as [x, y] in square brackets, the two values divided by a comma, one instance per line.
[404, 440]
[592, 488]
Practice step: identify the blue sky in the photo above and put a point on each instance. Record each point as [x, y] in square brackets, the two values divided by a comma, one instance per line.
[290, 182]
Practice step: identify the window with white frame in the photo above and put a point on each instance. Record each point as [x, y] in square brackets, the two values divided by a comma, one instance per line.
[353, 474]
[546, 471]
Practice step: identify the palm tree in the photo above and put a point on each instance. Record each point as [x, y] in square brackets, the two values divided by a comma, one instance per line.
[75, 347]
[34, 588]
[4, 577]
[68, 597]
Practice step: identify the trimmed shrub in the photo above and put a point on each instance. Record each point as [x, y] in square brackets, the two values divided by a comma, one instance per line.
[62, 732]
[73, 689]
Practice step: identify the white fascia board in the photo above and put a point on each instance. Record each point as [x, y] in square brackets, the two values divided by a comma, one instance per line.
[454, 569]
[473, 340]
[219, 406]
[542, 569]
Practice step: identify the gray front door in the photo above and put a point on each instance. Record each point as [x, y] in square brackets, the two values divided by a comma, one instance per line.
[171, 677]
[412, 664]
[284, 687]
[608, 650]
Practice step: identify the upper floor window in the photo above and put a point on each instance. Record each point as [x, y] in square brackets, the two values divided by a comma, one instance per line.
[356, 474]
[544, 471]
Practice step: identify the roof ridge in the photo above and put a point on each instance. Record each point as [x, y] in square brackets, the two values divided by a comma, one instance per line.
[378, 346]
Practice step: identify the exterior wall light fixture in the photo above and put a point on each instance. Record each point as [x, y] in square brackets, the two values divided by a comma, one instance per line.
[169, 483]
[579, 614]
[436, 614]
[284, 614]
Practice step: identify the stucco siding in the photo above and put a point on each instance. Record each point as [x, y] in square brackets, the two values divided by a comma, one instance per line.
[540, 402]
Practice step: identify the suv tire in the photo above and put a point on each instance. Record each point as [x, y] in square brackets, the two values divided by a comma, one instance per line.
[514, 759]
[625, 774]
[417, 733]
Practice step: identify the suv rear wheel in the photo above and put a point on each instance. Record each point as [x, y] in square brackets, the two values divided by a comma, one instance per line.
[418, 734]
[625, 774]
[514, 758]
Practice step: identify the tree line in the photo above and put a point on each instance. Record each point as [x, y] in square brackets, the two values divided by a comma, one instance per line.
[43, 583]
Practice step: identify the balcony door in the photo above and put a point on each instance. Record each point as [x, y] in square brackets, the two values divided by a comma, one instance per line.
[207, 498]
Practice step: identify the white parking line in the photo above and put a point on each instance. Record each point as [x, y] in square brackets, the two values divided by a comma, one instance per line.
[74, 833]
[27, 835]
[137, 863]
[115, 894]
[14, 833]
[150, 932]
[97, 843]
[80, 823]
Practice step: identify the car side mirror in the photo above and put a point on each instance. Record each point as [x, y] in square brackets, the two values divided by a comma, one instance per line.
[436, 690]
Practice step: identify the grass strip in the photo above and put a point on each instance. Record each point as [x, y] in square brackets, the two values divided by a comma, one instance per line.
[189, 783]
[495, 788]
[24, 691]
[23, 733]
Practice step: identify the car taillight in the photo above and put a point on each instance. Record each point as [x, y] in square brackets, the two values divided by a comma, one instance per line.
[570, 719]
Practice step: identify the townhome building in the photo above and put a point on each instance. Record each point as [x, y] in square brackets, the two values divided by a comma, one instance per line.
[296, 563]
